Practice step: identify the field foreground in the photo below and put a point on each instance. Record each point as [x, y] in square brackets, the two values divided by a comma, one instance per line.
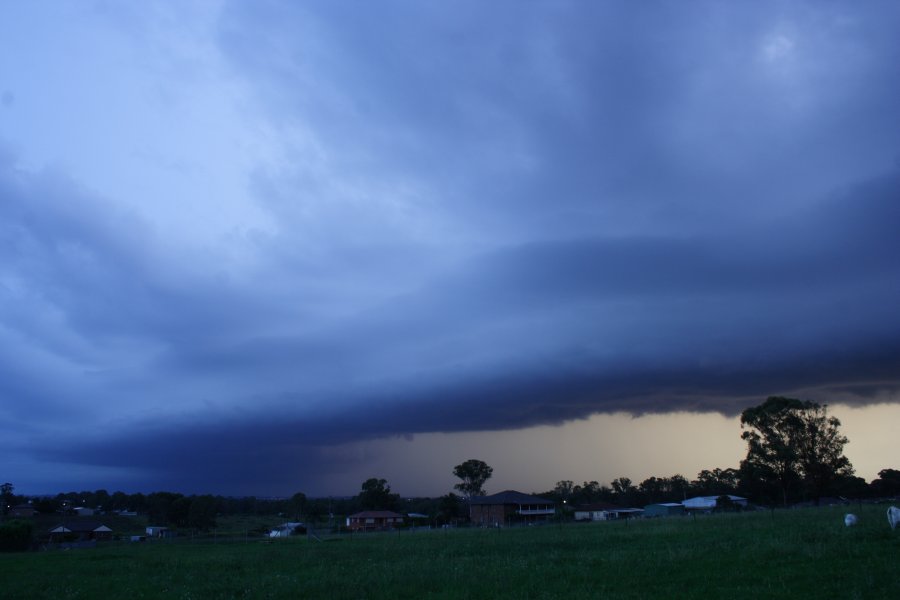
[785, 554]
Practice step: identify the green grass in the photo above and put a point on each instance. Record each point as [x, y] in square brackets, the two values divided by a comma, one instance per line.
[791, 554]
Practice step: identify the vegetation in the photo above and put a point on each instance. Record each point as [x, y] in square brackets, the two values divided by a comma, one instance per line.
[473, 473]
[887, 484]
[795, 454]
[15, 535]
[7, 498]
[376, 494]
[770, 554]
[792, 446]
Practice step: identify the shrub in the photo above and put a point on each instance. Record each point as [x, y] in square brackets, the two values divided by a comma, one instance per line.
[15, 536]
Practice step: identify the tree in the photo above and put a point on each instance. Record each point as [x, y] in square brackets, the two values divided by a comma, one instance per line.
[623, 489]
[678, 486]
[297, 505]
[887, 484]
[100, 500]
[653, 489]
[791, 445]
[15, 535]
[376, 494]
[6, 497]
[716, 482]
[449, 508]
[202, 512]
[564, 489]
[163, 508]
[474, 473]
[588, 492]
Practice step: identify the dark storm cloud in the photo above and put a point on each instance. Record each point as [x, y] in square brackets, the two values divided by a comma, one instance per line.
[487, 217]
[729, 322]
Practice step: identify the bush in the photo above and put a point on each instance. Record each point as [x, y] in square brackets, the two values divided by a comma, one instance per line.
[15, 536]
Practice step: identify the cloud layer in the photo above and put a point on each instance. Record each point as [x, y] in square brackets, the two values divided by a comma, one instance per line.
[302, 226]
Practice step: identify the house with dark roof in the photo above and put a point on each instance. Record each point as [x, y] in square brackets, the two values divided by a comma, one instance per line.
[374, 520]
[508, 507]
[81, 531]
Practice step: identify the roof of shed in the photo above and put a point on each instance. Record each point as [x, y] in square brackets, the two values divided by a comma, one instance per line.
[596, 507]
[376, 514]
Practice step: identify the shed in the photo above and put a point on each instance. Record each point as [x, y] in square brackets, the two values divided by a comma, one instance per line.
[157, 531]
[663, 509]
[625, 513]
[709, 503]
[598, 511]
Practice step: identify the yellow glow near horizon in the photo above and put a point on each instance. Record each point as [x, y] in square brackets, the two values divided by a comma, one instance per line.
[600, 448]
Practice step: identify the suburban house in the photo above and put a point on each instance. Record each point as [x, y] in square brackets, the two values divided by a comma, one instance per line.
[599, 511]
[22, 510]
[709, 503]
[664, 509]
[82, 531]
[83, 511]
[373, 520]
[509, 507]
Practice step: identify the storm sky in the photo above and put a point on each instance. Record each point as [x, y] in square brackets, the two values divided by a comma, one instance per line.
[266, 247]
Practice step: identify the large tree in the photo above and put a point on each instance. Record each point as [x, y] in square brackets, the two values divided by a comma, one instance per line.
[624, 490]
[564, 489]
[716, 482]
[297, 505]
[375, 494]
[887, 484]
[474, 473]
[202, 512]
[792, 445]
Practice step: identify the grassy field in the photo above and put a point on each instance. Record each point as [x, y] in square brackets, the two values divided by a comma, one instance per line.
[788, 554]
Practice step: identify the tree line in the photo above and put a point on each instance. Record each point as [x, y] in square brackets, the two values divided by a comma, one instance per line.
[794, 454]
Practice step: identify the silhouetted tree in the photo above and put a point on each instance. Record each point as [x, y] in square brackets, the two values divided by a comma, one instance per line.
[15, 535]
[297, 505]
[118, 501]
[652, 489]
[716, 482]
[792, 442]
[887, 484]
[100, 499]
[851, 486]
[678, 487]
[202, 512]
[376, 494]
[162, 509]
[564, 490]
[589, 492]
[46, 506]
[7, 498]
[623, 490]
[474, 473]
[450, 508]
